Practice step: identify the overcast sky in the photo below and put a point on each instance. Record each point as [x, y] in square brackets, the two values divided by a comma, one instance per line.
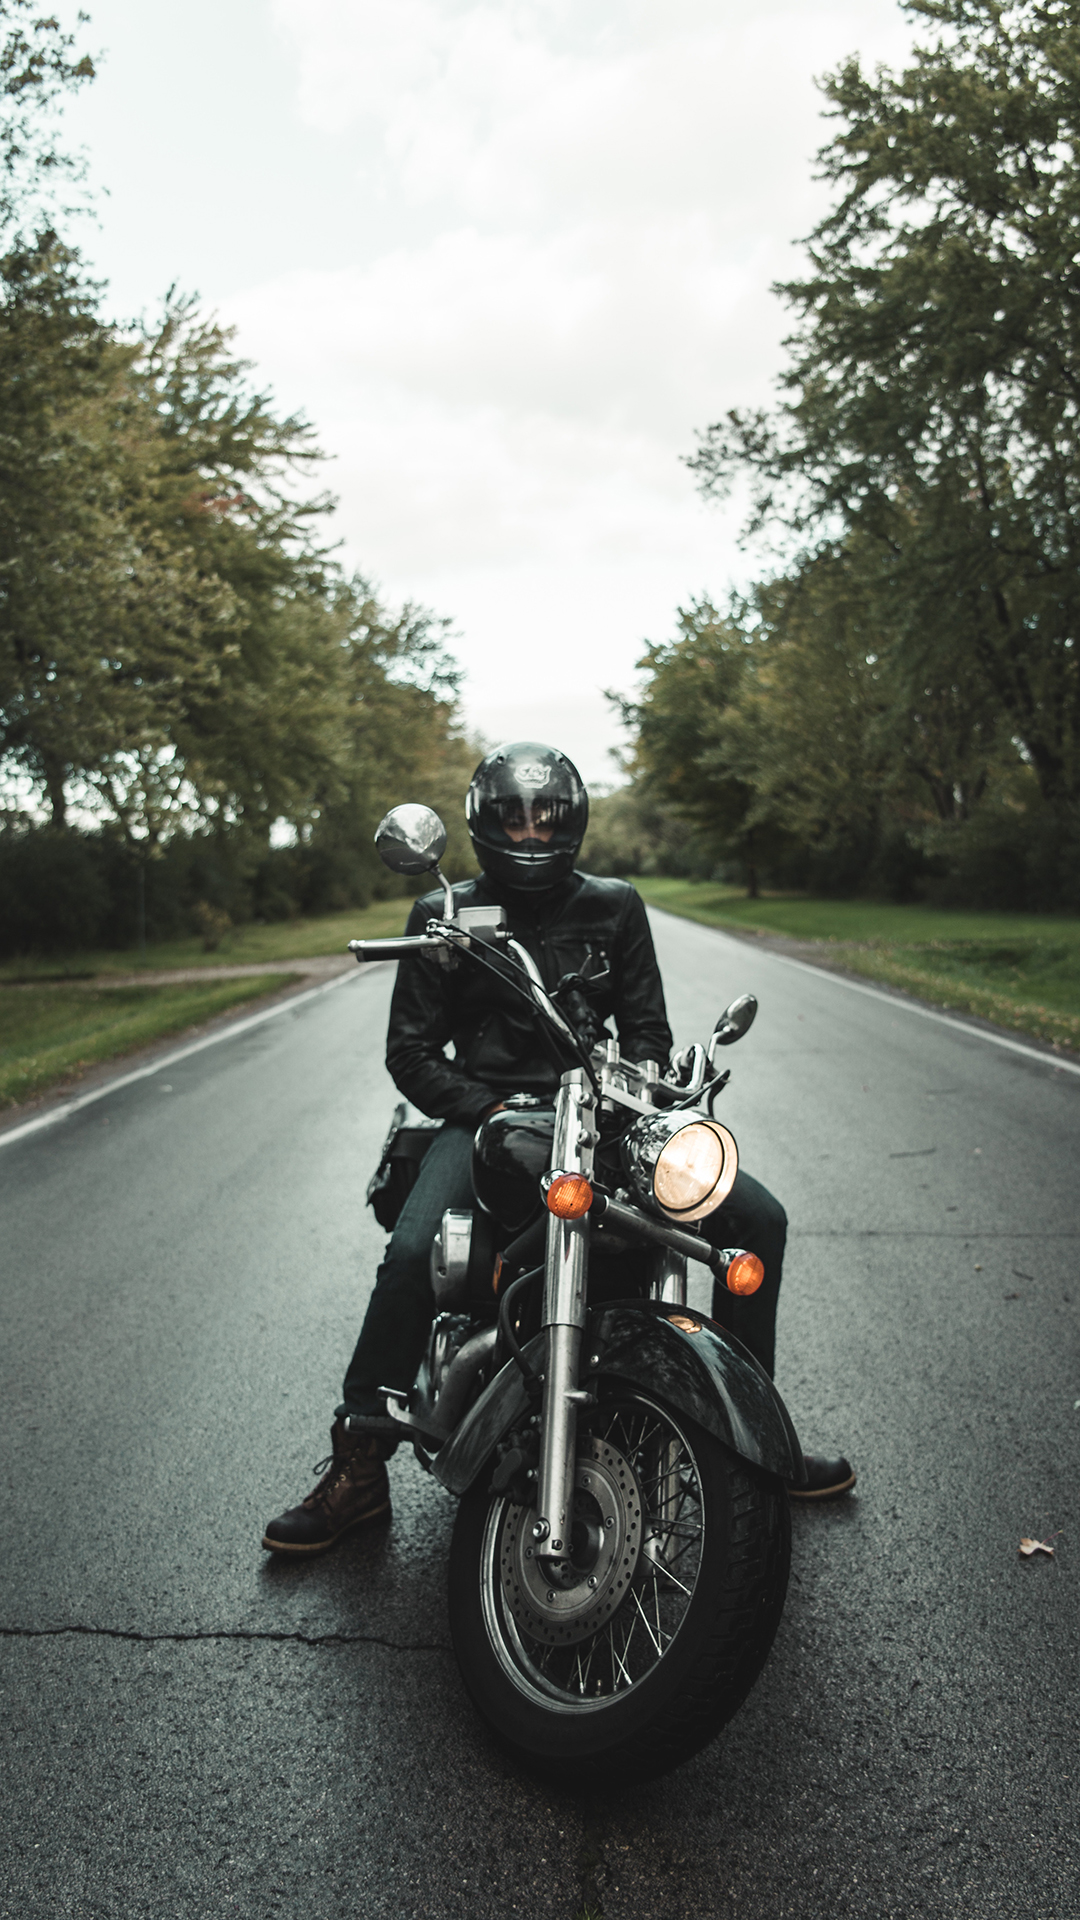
[508, 258]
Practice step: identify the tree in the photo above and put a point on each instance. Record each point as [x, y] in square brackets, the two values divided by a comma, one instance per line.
[181, 656]
[72, 576]
[168, 640]
[683, 751]
[39, 64]
[931, 402]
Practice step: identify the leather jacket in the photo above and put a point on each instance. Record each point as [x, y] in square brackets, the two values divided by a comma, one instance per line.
[587, 926]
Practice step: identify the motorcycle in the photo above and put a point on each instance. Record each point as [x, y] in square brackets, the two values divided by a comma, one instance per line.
[620, 1554]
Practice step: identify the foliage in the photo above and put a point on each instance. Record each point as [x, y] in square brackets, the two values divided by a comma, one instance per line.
[898, 708]
[189, 680]
[39, 64]
[294, 940]
[931, 401]
[629, 833]
[179, 656]
[685, 755]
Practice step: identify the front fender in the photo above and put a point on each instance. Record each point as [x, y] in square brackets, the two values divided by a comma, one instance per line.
[694, 1367]
[502, 1404]
[687, 1361]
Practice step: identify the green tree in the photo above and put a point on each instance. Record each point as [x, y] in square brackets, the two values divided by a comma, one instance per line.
[75, 581]
[39, 65]
[684, 753]
[181, 655]
[931, 398]
[168, 639]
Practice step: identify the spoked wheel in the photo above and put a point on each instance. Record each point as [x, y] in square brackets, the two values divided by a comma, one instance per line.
[637, 1646]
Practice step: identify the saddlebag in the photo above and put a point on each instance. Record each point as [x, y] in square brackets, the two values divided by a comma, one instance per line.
[399, 1163]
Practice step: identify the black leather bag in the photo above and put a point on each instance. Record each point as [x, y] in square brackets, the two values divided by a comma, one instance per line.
[399, 1163]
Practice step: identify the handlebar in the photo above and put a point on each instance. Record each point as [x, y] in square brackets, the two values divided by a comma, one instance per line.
[396, 949]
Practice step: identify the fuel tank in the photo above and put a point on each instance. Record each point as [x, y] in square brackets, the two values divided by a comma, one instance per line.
[512, 1148]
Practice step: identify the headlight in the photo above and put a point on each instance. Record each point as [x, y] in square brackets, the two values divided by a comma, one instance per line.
[681, 1163]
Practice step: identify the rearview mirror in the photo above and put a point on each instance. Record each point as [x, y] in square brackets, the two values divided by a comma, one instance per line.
[734, 1022]
[410, 839]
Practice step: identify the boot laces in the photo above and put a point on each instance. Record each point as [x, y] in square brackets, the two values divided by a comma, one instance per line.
[329, 1479]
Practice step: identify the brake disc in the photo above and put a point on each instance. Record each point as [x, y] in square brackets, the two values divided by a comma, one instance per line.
[560, 1602]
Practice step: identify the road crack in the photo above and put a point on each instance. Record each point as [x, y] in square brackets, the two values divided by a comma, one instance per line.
[225, 1633]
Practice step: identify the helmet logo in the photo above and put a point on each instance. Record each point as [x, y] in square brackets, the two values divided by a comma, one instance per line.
[532, 774]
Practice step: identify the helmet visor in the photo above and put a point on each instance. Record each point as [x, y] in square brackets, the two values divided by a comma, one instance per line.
[536, 819]
[529, 821]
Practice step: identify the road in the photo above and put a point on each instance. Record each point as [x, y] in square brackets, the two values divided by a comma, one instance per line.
[192, 1729]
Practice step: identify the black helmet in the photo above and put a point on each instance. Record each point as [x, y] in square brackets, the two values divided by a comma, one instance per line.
[527, 812]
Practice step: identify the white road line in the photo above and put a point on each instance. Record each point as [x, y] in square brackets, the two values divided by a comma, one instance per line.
[897, 999]
[167, 1060]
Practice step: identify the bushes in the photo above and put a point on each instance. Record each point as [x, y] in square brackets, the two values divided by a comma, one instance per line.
[68, 890]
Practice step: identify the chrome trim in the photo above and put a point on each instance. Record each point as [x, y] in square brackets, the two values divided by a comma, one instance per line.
[562, 1319]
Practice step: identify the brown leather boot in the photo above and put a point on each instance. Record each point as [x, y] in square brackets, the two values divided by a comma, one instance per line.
[354, 1488]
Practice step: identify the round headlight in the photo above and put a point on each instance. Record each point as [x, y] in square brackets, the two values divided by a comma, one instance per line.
[688, 1168]
[683, 1163]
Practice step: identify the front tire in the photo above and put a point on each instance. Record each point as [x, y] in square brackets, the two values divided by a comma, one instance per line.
[637, 1649]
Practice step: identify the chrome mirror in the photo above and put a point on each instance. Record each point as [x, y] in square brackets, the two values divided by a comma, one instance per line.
[733, 1022]
[410, 839]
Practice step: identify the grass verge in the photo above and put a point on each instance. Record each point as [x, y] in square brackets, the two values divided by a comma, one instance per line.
[280, 940]
[49, 1033]
[1022, 971]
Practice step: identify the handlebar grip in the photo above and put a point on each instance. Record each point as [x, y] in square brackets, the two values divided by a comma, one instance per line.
[395, 949]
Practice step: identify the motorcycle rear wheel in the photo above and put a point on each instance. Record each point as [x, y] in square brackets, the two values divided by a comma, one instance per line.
[660, 1626]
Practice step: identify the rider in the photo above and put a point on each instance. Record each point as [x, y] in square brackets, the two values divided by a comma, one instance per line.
[527, 811]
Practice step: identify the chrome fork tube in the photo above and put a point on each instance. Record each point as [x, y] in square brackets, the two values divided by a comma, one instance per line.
[668, 1278]
[563, 1318]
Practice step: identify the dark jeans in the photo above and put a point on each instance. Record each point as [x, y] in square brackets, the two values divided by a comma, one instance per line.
[399, 1315]
[391, 1344]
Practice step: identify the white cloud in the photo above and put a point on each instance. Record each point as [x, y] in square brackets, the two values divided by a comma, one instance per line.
[532, 255]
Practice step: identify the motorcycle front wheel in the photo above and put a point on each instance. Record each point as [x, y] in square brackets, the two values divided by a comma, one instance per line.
[634, 1650]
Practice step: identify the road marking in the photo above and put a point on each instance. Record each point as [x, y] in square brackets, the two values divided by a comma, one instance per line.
[898, 999]
[167, 1060]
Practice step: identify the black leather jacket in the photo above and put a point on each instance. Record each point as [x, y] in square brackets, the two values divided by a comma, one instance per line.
[584, 926]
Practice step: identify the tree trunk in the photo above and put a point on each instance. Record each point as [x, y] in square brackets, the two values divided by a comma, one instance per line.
[54, 792]
[752, 891]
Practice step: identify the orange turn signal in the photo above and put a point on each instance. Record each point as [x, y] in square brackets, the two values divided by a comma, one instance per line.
[745, 1274]
[568, 1195]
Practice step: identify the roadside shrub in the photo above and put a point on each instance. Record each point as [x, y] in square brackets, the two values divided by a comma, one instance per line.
[212, 923]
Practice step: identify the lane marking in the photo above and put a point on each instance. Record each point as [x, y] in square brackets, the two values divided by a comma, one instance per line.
[898, 999]
[167, 1060]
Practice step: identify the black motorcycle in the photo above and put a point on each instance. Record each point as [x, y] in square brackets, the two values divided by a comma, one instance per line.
[621, 1550]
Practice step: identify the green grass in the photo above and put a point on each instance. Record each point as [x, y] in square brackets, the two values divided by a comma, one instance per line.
[280, 940]
[1019, 970]
[49, 1033]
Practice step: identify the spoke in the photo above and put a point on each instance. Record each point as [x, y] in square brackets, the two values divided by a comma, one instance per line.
[673, 1559]
[663, 1478]
[658, 1644]
[625, 1655]
[656, 1604]
[618, 1656]
[661, 1566]
[637, 1447]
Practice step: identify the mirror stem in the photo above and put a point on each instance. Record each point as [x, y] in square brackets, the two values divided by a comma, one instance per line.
[448, 891]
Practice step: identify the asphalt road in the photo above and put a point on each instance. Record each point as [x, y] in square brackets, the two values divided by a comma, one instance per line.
[191, 1729]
